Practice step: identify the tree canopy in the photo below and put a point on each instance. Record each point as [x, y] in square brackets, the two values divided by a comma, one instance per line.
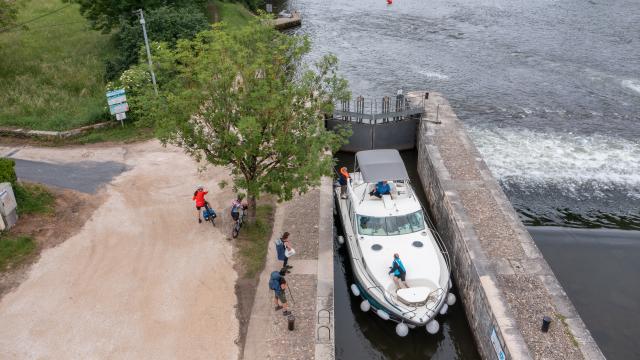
[164, 24]
[107, 14]
[243, 98]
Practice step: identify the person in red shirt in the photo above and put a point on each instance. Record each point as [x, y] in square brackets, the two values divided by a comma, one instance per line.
[198, 197]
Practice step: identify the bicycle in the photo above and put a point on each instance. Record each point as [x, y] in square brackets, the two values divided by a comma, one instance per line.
[239, 222]
[208, 214]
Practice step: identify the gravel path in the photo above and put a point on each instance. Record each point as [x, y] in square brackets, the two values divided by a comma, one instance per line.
[268, 336]
[141, 280]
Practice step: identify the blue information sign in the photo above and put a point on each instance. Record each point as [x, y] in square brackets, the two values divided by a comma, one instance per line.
[114, 93]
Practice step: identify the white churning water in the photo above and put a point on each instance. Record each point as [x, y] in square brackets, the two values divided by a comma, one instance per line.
[632, 85]
[564, 160]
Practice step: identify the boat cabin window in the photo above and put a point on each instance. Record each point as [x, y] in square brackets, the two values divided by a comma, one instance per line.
[392, 225]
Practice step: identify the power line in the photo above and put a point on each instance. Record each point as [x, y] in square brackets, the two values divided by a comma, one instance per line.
[35, 18]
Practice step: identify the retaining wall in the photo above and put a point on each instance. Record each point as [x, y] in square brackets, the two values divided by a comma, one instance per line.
[505, 283]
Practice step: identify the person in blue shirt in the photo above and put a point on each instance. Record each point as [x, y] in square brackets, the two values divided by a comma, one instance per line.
[382, 188]
[399, 272]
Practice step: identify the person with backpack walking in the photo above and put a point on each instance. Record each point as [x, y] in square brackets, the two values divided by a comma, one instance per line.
[399, 272]
[278, 284]
[282, 245]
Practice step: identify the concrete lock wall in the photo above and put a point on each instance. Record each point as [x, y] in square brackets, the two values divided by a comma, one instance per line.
[505, 284]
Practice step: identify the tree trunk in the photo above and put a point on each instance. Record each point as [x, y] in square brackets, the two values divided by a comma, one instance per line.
[252, 208]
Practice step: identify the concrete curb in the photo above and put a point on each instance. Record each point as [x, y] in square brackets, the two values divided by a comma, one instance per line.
[325, 331]
[52, 134]
[287, 23]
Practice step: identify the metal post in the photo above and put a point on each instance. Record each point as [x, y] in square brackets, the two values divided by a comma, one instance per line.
[146, 44]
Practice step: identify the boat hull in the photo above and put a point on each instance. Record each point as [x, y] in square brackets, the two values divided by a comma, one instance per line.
[364, 281]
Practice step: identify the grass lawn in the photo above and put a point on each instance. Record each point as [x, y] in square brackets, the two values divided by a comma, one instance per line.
[129, 133]
[253, 241]
[33, 199]
[233, 14]
[51, 75]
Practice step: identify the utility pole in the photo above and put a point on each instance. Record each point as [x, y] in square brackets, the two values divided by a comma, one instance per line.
[146, 44]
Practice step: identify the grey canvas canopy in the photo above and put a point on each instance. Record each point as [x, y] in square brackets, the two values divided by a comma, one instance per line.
[379, 165]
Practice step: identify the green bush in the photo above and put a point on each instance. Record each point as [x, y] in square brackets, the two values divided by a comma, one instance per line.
[164, 24]
[8, 171]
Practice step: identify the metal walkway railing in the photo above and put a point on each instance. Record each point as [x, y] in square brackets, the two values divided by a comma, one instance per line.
[389, 109]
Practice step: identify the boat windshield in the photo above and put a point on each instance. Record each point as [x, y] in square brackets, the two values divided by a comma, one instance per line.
[392, 225]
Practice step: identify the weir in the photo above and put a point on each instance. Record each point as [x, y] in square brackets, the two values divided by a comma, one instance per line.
[506, 285]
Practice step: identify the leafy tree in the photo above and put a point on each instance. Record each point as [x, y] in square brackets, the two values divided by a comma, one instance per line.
[164, 24]
[107, 14]
[243, 98]
[8, 13]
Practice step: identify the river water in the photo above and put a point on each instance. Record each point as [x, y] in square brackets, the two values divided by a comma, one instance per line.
[550, 93]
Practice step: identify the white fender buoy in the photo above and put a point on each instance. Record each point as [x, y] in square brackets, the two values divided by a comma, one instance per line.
[340, 239]
[402, 329]
[355, 290]
[451, 299]
[450, 284]
[411, 326]
[443, 309]
[365, 306]
[433, 327]
[383, 315]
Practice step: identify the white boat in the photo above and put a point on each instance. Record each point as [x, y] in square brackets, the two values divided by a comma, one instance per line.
[377, 228]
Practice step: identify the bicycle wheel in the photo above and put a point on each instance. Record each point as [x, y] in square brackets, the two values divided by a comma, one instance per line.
[236, 230]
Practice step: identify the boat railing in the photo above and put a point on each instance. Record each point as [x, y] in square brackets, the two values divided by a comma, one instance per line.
[385, 294]
[439, 294]
[389, 298]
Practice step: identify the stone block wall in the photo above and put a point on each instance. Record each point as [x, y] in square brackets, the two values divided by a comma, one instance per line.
[505, 284]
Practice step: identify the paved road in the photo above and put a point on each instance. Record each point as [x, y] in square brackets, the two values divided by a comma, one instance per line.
[84, 176]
